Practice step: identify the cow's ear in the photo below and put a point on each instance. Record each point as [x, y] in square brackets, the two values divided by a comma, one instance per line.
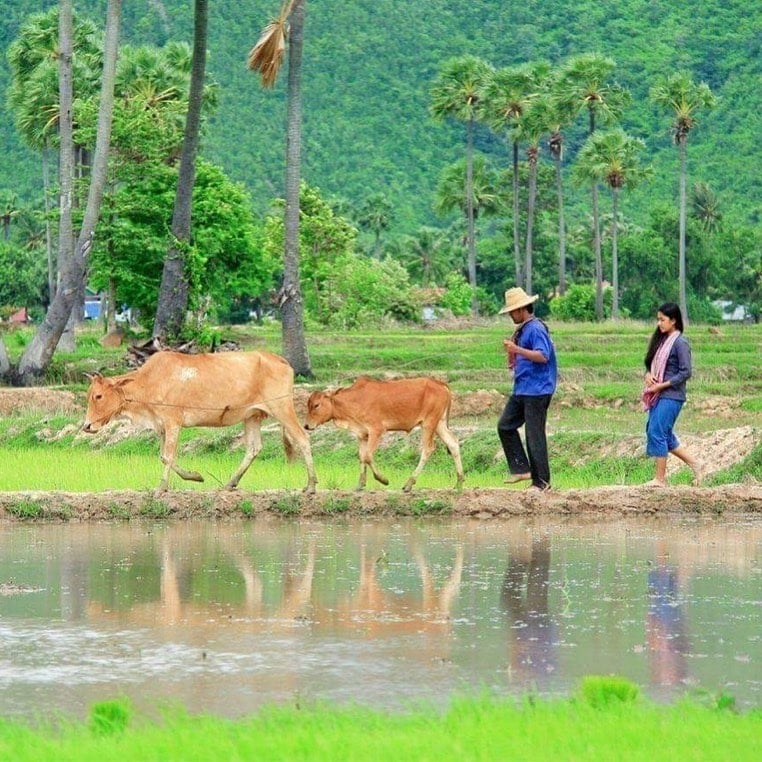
[124, 381]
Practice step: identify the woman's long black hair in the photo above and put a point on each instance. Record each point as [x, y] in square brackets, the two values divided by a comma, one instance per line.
[672, 311]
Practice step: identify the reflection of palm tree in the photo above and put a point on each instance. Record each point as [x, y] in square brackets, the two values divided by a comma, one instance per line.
[524, 598]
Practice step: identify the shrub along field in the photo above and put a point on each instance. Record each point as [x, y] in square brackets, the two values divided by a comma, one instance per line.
[595, 422]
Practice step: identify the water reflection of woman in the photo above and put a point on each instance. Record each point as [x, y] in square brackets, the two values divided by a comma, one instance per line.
[666, 635]
[524, 598]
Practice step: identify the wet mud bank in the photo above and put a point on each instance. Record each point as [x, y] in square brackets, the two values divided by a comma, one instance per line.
[485, 504]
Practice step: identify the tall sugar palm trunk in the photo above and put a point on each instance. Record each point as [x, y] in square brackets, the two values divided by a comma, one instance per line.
[613, 158]
[583, 85]
[266, 57]
[683, 98]
[174, 289]
[456, 93]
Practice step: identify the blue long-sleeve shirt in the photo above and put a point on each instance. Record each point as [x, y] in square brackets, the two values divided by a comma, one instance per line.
[535, 379]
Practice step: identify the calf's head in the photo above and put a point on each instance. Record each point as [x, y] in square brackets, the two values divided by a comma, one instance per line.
[105, 400]
[319, 409]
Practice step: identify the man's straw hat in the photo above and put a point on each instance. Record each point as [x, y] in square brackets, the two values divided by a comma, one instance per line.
[515, 299]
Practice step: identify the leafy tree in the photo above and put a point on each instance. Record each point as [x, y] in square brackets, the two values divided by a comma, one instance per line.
[266, 57]
[228, 262]
[612, 158]
[684, 100]
[175, 286]
[456, 93]
[429, 255]
[583, 85]
[22, 277]
[324, 237]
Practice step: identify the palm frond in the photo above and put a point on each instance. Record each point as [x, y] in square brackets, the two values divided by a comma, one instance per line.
[266, 56]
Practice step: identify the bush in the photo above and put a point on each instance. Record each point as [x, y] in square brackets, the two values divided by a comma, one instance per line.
[578, 303]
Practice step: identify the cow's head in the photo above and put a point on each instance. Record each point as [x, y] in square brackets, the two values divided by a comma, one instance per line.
[319, 409]
[105, 400]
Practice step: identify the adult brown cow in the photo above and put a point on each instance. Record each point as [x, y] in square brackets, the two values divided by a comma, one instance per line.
[370, 408]
[173, 391]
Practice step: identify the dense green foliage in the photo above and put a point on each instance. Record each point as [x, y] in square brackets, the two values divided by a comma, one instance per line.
[372, 148]
[606, 714]
[369, 65]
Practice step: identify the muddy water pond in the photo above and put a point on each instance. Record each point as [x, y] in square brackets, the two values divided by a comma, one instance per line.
[224, 617]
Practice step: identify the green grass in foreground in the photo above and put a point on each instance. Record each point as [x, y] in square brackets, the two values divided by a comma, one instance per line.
[605, 721]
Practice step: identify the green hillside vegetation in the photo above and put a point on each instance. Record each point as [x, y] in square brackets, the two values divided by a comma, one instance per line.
[369, 138]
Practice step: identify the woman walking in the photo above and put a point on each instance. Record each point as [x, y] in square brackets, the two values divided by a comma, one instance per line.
[668, 367]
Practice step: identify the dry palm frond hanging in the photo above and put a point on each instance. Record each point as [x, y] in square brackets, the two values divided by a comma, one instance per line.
[267, 55]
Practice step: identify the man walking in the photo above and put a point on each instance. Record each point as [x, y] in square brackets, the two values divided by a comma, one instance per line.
[532, 359]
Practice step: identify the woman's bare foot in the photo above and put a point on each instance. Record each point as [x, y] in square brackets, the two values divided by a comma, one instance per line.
[516, 478]
[655, 483]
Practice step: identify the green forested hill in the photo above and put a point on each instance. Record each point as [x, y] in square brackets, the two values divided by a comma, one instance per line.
[369, 65]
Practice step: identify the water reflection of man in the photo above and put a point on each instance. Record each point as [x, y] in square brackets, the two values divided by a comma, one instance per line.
[667, 641]
[524, 598]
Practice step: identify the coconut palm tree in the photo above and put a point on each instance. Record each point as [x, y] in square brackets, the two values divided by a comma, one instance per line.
[39, 351]
[612, 158]
[684, 99]
[505, 98]
[375, 214]
[583, 85]
[266, 57]
[450, 195]
[705, 207]
[456, 93]
[174, 289]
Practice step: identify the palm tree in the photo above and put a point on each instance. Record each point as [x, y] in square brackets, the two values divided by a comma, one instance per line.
[266, 58]
[173, 292]
[9, 210]
[34, 91]
[684, 99]
[484, 198]
[583, 86]
[374, 215]
[705, 207]
[39, 351]
[612, 158]
[505, 98]
[456, 93]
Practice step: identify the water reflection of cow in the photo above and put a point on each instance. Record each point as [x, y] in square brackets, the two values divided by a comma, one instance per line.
[369, 609]
[524, 598]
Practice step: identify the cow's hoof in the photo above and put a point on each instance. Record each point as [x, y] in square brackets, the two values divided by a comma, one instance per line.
[408, 487]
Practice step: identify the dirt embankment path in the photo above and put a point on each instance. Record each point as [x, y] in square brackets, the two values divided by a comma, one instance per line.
[721, 448]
